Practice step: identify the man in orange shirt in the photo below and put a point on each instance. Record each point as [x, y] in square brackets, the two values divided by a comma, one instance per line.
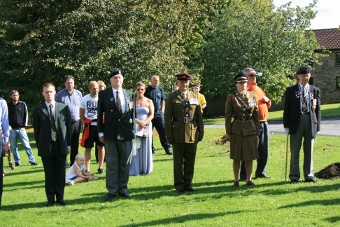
[263, 104]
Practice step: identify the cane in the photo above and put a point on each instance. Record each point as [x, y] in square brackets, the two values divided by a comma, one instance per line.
[286, 158]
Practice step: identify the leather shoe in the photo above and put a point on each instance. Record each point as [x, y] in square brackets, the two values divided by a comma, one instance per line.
[109, 197]
[311, 180]
[293, 181]
[168, 152]
[190, 189]
[61, 202]
[263, 176]
[179, 191]
[49, 203]
[236, 184]
[125, 195]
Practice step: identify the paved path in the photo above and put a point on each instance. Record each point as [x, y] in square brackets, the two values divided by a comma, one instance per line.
[329, 127]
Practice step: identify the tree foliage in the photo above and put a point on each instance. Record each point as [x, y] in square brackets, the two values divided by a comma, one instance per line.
[42, 41]
[268, 39]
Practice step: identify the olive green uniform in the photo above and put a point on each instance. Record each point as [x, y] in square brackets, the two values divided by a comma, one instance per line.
[184, 126]
[242, 124]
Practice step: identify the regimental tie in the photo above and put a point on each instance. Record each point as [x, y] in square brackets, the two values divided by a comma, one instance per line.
[118, 103]
[53, 127]
[304, 100]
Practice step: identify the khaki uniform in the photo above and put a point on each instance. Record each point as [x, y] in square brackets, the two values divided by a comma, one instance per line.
[244, 128]
[184, 125]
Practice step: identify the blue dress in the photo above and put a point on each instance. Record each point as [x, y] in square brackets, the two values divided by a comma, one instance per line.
[142, 162]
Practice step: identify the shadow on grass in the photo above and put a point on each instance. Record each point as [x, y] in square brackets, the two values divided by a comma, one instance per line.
[185, 218]
[328, 202]
[333, 219]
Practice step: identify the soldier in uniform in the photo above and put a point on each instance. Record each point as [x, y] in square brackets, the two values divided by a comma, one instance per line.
[184, 129]
[243, 130]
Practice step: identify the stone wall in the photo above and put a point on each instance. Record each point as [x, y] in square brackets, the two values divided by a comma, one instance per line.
[324, 77]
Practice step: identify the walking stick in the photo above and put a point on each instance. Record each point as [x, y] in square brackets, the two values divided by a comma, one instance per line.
[286, 158]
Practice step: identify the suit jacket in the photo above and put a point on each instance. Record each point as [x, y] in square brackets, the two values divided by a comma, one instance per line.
[114, 123]
[234, 109]
[292, 112]
[180, 132]
[42, 128]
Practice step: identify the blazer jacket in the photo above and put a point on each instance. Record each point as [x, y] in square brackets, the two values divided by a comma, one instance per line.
[175, 112]
[292, 111]
[244, 122]
[42, 128]
[110, 121]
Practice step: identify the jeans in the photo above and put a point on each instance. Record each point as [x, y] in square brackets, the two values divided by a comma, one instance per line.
[13, 137]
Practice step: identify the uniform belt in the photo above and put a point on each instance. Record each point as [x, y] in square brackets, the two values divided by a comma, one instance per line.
[184, 120]
[242, 117]
[305, 113]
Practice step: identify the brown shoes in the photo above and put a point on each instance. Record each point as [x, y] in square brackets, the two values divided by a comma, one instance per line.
[236, 184]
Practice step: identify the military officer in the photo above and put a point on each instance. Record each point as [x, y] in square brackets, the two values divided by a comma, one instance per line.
[184, 129]
[242, 127]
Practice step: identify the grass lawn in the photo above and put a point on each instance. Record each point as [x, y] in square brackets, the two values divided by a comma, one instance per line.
[327, 110]
[154, 202]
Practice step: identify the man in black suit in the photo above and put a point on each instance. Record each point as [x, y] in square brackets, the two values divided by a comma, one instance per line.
[301, 119]
[52, 133]
[116, 130]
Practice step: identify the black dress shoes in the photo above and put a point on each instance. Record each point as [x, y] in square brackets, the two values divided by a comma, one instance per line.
[190, 189]
[293, 181]
[109, 197]
[168, 152]
[49, 203]
[179, 191]
[263, 176]
[61, 202]
[311, 180]
[125, 195]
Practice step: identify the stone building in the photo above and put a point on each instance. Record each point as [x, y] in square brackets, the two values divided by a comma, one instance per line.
[327, 75]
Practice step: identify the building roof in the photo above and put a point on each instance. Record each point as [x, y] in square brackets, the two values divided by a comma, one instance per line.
[328, 38]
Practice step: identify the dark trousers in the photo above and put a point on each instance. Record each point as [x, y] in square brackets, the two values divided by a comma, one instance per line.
[158, 123]
[117, 168]
[2, 170]
[75, 140]
[184, 155]
[54, 168]
[262, 149]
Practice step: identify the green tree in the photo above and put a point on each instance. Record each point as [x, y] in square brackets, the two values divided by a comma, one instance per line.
[258, 35]
[42, 41]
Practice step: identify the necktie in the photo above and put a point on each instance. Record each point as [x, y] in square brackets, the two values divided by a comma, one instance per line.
[304, 100]
[118, 103]
[53, 127]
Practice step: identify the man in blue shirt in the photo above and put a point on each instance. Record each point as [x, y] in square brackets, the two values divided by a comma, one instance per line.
[156, 94]
[4, 137]
[72, 97]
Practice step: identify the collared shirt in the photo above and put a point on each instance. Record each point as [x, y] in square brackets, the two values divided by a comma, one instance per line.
[121, 97]
[157, 96]
[306, 88]
[53, 108]
[71, 100]
[4, 123]
[17, 114]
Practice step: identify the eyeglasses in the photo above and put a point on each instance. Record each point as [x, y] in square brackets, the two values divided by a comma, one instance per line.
[140, 89]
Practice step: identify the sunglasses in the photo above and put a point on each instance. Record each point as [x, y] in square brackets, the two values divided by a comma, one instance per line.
[140, 89]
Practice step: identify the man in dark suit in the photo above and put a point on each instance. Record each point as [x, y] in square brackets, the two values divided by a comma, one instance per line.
[52, 133]
[116, 130]
[184, 129]
[301, 119]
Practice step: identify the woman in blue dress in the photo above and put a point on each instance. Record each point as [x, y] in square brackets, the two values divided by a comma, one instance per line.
[142, 160]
